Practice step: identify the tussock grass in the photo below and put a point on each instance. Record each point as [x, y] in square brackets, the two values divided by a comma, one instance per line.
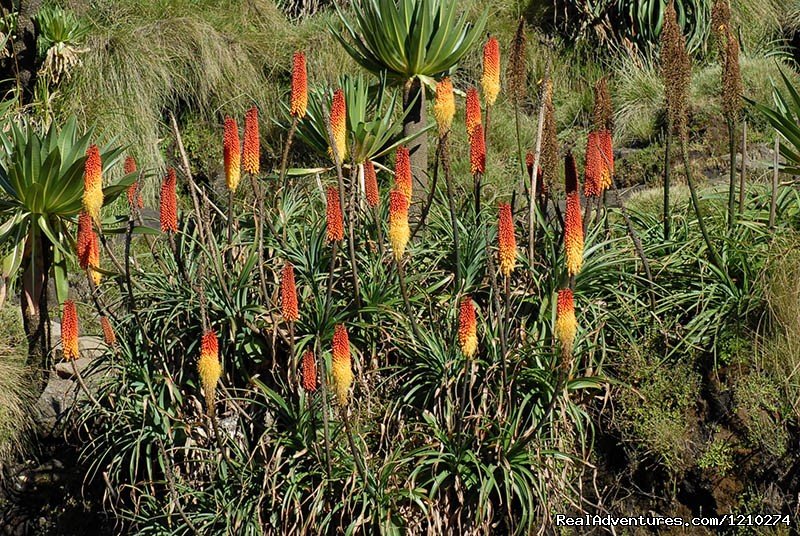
[779, 356]
[16, 394]
[200, 59]
[638, 94]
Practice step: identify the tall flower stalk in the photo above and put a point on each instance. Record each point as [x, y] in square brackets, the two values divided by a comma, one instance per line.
[298, 106]
[289, 308]
[477, 164]
[573, 221]
[373, 196]
[490, 80]
[399, 233]
[507, 258]
[516, 75]
[444, 110]
[233, 166]
[337, 136]
[731, 107]
[209, 369]
[93, 183]
[676, 69]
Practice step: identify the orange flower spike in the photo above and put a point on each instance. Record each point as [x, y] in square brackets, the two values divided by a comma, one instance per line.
[134, 196]
[371, 184]
[607, 149]
[399, 232]
[467, 327]
[339, 125]
[93, 183]
[566, 324]
[342, 369]
[402, 171]
[251, 152]
[288, 294]
[169, 203]
[595, 167]
[529, 163]
[477, 151]
[473, 110]
[209, 368]
[491, 71]
[507, 250]
[109, 336]
[231, 154]
[573, 222]
[444, 108]
[308, 371]
[299, 100]
[335, 227]
[94, 258]
[84, 241]
[69, 331]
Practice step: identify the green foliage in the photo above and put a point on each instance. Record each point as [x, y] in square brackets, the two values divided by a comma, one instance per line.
[785, 118]
[41, 176]
[374, 123]
[717, 457]
[631, 24]
[408, 38]
[758, 404]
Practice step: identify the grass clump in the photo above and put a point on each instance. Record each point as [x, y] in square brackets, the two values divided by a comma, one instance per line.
[16, 395]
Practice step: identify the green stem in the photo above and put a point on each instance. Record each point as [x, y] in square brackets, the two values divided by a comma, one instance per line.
[701, 222]
[451, 201]
[404, 291]
[732, 174]
[667, 154]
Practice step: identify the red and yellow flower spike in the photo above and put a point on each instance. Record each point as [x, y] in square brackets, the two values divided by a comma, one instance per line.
[339, 125]
[477, 151]
[566, 324]
[595, 167]
[69, 331]
[467, 327]
[402, 171]
[333, 213]
[507, 250]
[299, 100]
[607, 149]
[371, 184]
[169, 203]
[444, 108]
[109, 337]
[308, 371]
[231, 154]
[573, 221]
[93, 183]
[88, 245]
[251, 151]
[288, 294]
[399, 231]
[491, 71]
[473, 112]
[342, 369]
[134, 195]
[209, 368]
[86, 236]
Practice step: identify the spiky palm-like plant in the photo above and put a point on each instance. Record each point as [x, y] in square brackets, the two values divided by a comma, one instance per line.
[415, 42]
[41, 193]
